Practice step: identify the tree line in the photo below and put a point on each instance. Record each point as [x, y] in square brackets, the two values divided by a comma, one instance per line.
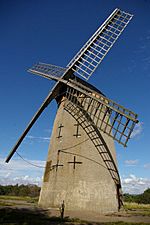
[143, 198]
[20, 190]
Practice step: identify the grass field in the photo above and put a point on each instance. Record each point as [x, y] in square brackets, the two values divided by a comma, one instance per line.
[138, 209]
[19, 198]
[24, 211]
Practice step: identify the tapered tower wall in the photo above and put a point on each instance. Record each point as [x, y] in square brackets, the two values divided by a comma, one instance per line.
[75, 170]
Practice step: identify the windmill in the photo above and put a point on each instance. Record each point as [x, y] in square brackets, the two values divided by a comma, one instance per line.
[81, 168]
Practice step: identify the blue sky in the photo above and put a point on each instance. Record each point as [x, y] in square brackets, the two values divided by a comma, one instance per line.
[53, 32]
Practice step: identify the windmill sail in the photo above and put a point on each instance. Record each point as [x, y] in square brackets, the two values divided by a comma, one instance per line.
[111, 118]
[49, 69]
[48, 99]
[108, 116]
[93, 52]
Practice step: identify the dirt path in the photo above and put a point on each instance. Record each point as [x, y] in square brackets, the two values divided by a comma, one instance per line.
[132, 217]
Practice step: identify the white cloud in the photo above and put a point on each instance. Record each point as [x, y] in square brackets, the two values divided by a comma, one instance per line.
[135, 185]
[137, 130]
[18, 164]
[49, 131]
[18, 171]
[142, 54]
[131, 162]
[147, 166]
[21, 180]
[40, 139]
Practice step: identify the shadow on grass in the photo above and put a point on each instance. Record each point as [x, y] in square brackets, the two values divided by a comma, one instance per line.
[15, 216]
[35, 216]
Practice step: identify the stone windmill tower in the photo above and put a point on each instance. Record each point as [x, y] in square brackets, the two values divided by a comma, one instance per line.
[81, 167]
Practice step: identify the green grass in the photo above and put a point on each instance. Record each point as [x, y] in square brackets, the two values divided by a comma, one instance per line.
[6, 203]
[17, 200]
[137, 209]
[136, 206]
[21, 198]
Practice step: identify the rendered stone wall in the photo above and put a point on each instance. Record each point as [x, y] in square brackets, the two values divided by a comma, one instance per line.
[85, 186]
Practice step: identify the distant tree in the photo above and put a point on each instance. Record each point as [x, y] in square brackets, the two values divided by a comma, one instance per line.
[2, 191]
[145, 197]
[34, 190]
[127, 197]
[20, 190]
[141, 198]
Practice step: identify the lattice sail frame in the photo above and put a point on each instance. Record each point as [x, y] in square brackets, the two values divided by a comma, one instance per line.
[49, 69]
[95, 49]
[108, 116]
[93, 52]
[113, 119]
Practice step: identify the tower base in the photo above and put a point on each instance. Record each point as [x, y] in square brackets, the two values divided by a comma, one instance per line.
[79, 168]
